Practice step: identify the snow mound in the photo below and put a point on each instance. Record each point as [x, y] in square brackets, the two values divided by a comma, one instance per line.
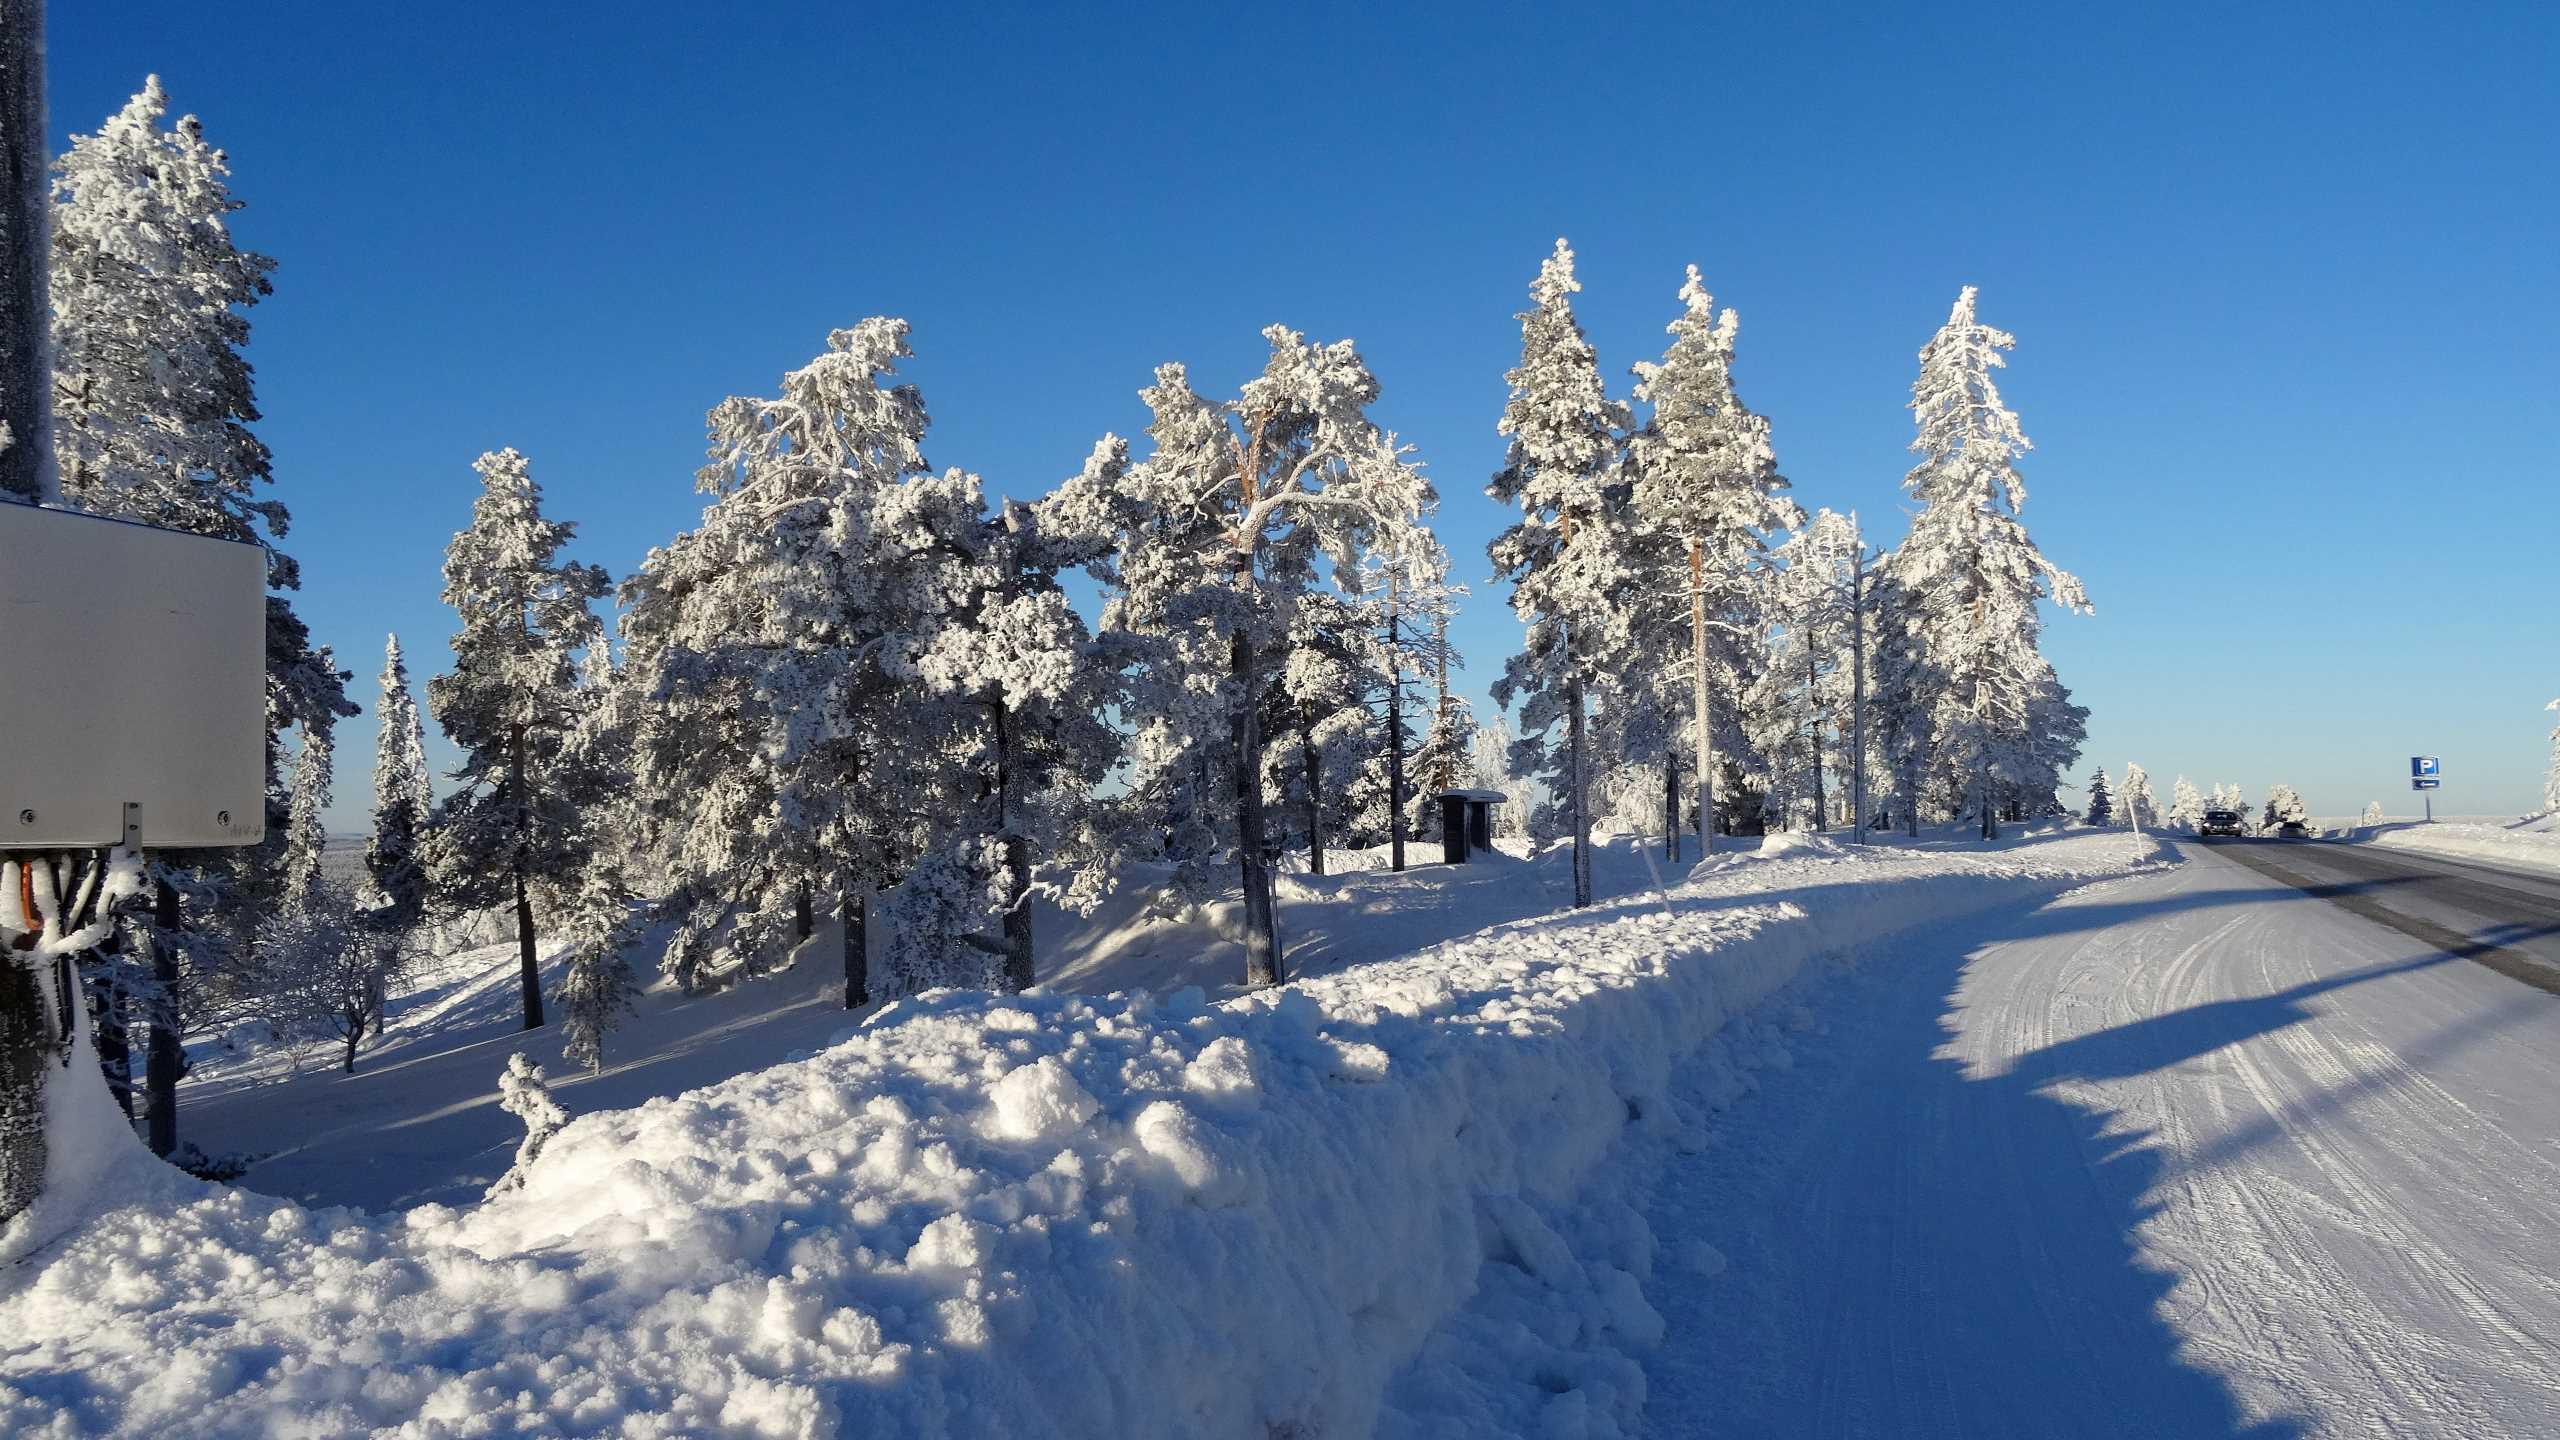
[1129, 1215]
[2529, 843]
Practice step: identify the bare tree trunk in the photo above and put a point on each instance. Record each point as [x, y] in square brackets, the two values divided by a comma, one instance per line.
[804, 923]
[1814, 736]
[856, 912]
[1858, 690]
[1311, 761]
[1395, 739]
[1699, 705]
[530, 970]
[355, 1032]
[1018, 958]
[1261, 929]
[1670, 805]
[1581, 799]
[166, 1059]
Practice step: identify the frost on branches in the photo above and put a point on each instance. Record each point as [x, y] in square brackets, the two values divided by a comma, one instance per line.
[403, 800]
[2186, 805]
[1708, 495]
[2141, 806]
[523, 1093]
[2001, 728]
[1567, 557]
[512, 702]
[2284, 807]
[2102, 800]
[2551, 776]
[1243, 510]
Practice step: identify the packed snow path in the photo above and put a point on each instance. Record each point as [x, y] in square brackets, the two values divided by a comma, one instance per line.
[2197, 1153]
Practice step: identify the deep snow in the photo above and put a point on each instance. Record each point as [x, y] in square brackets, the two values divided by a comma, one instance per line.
[1131, 1215]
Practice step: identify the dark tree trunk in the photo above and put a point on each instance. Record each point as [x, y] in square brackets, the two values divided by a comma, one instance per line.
[1311, 759]
[1671, 803]
[166, 1059]
[1581, 800]
[1019, 964]
[857, 949]
[1813, 741]
[531, 969]
[108, 1020]
[1261, 927]
[355, 1033]
[803, 923]
[1395, 745]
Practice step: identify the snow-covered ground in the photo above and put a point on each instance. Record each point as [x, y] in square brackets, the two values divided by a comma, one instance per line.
[1137, 1214]
[2531, 843]
[418, 1122]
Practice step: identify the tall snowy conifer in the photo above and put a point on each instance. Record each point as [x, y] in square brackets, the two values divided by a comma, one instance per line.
[1975, 578]
[2102, 800]
[1707, 478]
[2186, 804]
[2141, 806]
[511, 703]
[1242, 509]
[772, 653]
[152, 404]
[306, 824]
[1565, 556]
[2551, 776]
[403, 800]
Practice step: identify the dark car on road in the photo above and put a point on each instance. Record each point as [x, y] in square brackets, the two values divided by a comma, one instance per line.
[2219, 822]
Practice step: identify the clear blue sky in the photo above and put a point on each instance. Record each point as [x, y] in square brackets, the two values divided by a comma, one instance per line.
[2283, 278]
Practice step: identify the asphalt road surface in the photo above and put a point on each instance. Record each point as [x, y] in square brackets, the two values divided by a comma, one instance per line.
[2265, 1145]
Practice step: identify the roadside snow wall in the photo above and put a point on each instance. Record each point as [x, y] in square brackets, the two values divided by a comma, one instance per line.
[1044, 1215]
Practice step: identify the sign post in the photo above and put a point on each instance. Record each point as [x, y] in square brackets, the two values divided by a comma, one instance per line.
[2425, 776]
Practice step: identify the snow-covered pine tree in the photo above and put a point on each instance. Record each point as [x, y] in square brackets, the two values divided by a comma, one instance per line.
[770, 655]
[2102, 800]
[1707, 478]
[1800, 707]
[2186, 805]
[403, 802]
[152, 404]
[511, 703]
[1975, 578]
[1243, 508]
[2284, 807]
[2551, 775]
[1417, 600]
[306, 822]
[2373, 812]
[1566, 555]
[1029, 688]
[2141, 806]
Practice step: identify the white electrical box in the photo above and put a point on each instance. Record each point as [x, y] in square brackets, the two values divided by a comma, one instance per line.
[133, 672]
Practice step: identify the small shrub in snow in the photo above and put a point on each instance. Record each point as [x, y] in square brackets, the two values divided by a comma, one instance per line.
[523, 1094]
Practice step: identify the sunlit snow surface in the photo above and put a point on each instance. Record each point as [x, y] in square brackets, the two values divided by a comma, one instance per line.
[1137, 1214]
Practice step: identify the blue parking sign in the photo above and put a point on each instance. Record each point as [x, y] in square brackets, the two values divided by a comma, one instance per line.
[2422, 767]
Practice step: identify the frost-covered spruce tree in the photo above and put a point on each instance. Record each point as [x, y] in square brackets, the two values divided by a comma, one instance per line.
[152, 403]
[2373, 812]
[1026, 690]
[2551, 776]
[2186, 805]
[1799, 709]
[784, 742]
[403, 801]
[1975, 578]
[511, 703]
[1244, 507]
[2141, 806]
[306, 823]
[2102, 800]
[1566, 557]
[1707, 477]
[2284, 807]
[1414, 601]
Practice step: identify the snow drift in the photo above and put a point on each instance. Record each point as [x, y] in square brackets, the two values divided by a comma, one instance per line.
[1042, 1215]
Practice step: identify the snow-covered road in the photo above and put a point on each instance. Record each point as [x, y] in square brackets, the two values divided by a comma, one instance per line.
[2197, 1153]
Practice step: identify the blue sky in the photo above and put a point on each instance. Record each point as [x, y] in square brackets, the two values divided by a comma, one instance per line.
[2283, 279]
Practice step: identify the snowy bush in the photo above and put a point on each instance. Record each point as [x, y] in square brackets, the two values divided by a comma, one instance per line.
[523, 1093]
